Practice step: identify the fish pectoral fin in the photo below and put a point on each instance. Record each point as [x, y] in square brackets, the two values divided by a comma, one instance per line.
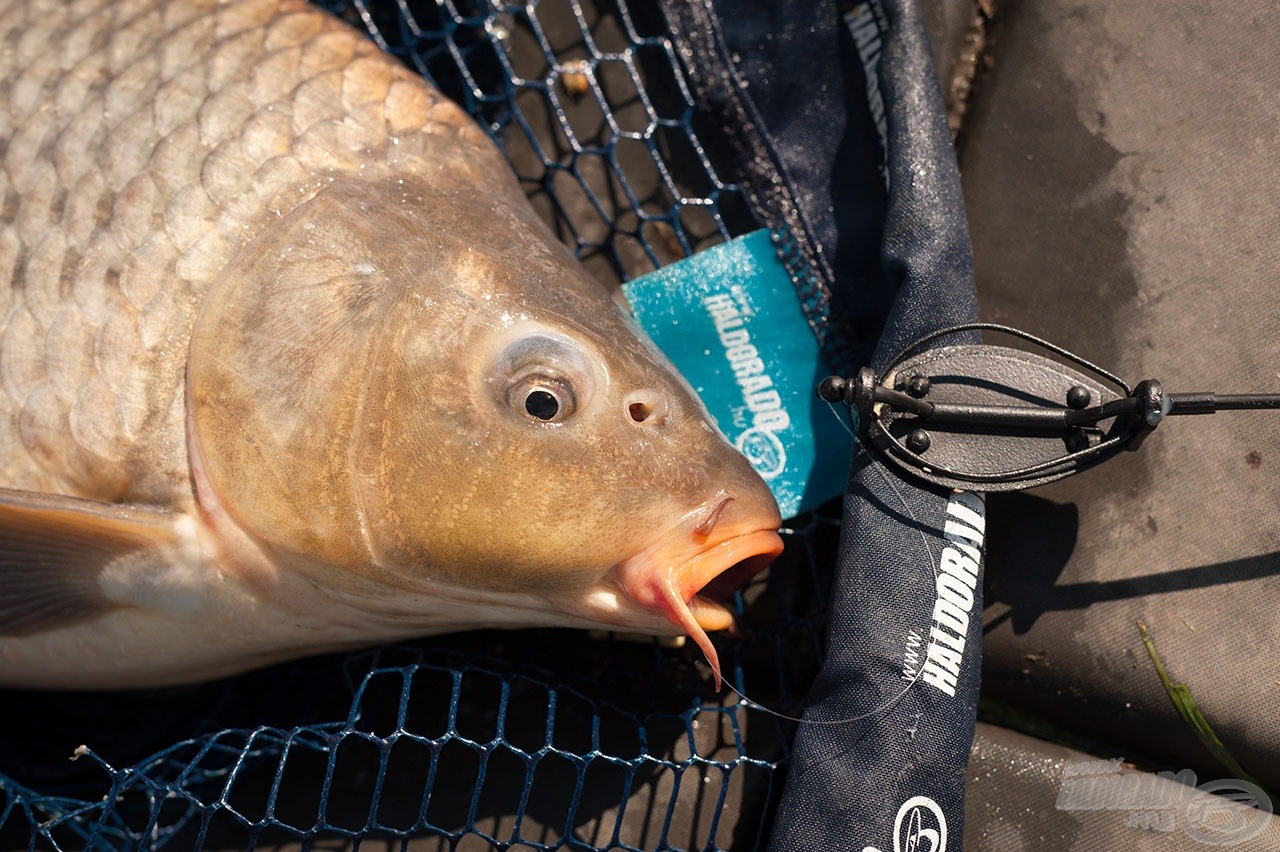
[55, 551]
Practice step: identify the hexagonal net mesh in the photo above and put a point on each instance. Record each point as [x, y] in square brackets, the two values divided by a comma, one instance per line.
[540, 739]
[593, 111]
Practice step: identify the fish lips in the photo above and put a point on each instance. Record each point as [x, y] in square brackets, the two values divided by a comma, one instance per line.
[688, 575]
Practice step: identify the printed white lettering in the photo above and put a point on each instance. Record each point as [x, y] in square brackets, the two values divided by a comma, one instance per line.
[938, 677]
[759, 442]
[952, 532]
[865, 31]
[951, 617]
[773, 421]
[955, 643]
[958, 565]
[956, 582]
[763, 401]
[955, 592]
[968, 511]
[911, 656]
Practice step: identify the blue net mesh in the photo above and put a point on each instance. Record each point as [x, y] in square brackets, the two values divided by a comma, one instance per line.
[593, 111]
[542, 739]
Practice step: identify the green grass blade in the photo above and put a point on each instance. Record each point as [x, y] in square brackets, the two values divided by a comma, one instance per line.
[1180, 695]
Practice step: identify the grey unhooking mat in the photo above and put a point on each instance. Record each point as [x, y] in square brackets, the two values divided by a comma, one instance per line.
[1121, 167]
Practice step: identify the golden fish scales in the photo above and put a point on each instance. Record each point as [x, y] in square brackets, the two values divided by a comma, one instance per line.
[147, 143]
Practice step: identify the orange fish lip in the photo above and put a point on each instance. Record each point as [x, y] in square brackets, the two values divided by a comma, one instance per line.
[687, 576]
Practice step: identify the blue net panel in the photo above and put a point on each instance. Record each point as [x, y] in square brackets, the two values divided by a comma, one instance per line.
[591, 106]
[546, 739]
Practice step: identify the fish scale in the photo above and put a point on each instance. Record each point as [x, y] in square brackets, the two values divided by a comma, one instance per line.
[148, 142]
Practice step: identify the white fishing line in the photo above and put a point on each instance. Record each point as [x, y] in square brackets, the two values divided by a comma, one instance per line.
[836, 413]
[756, 705]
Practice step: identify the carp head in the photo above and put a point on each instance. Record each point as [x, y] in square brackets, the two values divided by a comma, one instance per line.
[412, 393]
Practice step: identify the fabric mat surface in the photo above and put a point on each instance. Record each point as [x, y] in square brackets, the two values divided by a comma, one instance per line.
[1122, 170]
[1016, 803]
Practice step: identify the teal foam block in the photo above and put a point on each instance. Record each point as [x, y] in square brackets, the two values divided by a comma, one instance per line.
[729, 319]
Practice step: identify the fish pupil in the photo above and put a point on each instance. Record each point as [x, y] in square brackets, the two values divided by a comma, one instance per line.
[541, 404]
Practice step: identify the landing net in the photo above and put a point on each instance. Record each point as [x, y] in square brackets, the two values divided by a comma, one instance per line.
[541, 739]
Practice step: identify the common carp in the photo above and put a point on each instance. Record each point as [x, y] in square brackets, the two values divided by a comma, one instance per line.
[289, 365]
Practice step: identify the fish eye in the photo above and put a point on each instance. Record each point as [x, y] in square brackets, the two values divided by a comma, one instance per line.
[546, 399]
[544, 377]
[542, 404]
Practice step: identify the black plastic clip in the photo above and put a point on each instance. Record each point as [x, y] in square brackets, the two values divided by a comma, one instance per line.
[990, 418]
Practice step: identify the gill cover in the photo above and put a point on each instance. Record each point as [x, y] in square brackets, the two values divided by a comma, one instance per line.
[280, 359]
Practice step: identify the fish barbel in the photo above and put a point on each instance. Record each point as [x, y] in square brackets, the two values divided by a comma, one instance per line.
[289, 365]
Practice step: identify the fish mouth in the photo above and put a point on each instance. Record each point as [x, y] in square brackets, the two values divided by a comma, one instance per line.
[690, 574]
